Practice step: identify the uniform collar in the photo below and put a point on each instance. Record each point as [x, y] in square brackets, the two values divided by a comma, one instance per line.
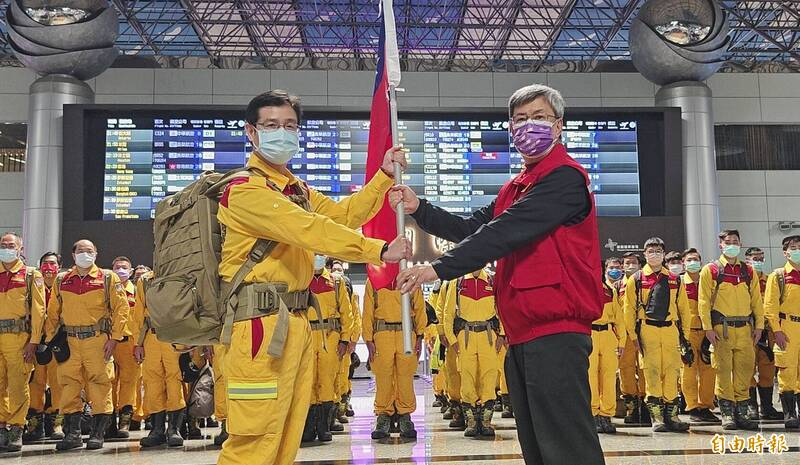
[280, 179]
[529, 172]
[725, 262]
[687, 278]
[129, 287]
[74, 271]
[14, 268]
[647, 270]
[789, 268]
[483, 275]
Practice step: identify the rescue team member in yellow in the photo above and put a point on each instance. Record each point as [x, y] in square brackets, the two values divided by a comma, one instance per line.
[393, 369]
[163, 395]
[343, 385]
[127, 373]
[608, 341]
[217, 355]
[436, 350]
[732, 314]
[269, 395]
[21, 323]
[331, 329]
[89, 304]
[471, 323]
[761, 385]
[452, 371]
[45, 423]
[655, 303]
[697, 379]
[782, 310]
[631, 378]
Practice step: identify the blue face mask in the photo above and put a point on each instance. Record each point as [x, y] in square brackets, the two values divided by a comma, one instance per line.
[693, 266]
[278, 146]
[758, 266]
[8, 255]
[615, 274]
[794, 256]
[731, 251]
[319, 262]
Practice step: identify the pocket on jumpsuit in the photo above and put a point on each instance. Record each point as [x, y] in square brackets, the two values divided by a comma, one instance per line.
[253, 403]
[780, 356]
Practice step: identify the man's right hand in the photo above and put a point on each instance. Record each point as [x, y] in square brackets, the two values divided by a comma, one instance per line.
[399, 249]
[781, 339]
[371, 350]
[404, 194]
[455, 348]
[712, 337]
[138, 354]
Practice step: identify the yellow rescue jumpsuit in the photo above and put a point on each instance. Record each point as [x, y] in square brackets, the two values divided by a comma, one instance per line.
[127, 372]
[697, 381]
[220, 385]
[785, 317]
[81, 301]
[660, 356]
[265, 425]
[733, 356]
[15, 306]
[326, 340]
[435, 341]
[393, 369]
[472, 299]
[631, 378]
[163, 386]
[608, 334]
[343, 383]
[765, 369]
[451, 370]
[45, 376]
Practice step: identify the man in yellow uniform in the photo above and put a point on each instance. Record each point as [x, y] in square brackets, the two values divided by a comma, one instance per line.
[90, 305]
[163, 395]
[761, 386]
[21, 323]
[471, 323]
[343, 384]
[631, 378]
[393, 369]
[654, 304]
[127, 373]
[438, 348]
[44, 420]
[697, 379]
[452, 371]
[269, 364]
[331, 328]
[608, 341]
[732, 314]
[782, 310]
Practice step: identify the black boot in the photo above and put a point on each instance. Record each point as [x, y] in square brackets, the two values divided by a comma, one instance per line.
[448, 413]
[471, 419]
[508, 410]
[192, 430]
[14, 441]
[112, 430]
[485, 420]
[347, 397]
[125, 417]
[726, 407]
[767, 411]
[631, 410]
[742, 418]
[157, 435]
[605, 426]
[341, 412]
[789, 403]
[498, 404]
[34, 430]
[49, 424]
[656, 408]
[458, 417]
[223, 434]
[437, 401]
[407, 429]
[72, 432]
[58, 426]
[100, 424]
[212, 423]
[175, 420]
[310, 429]
[136, 425]
[333, 425]
[382, 425]
[395, 425]
[644, 413]
[752, 405]
[671, 419]
[324, 421]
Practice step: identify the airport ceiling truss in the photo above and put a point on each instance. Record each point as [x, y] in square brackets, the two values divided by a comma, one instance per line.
[435, 35]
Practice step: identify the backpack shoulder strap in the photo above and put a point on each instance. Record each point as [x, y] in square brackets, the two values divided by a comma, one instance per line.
[637, 281]
[336, 284]
[57, 285]
[716, 267]
[107, 288]
[780, 274]
[29, 271]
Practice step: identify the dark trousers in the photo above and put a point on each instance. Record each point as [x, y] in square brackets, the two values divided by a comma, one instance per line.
[548, 379]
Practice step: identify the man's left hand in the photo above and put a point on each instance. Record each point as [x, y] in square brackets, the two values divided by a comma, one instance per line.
[108, 349]
[394, 155]
[501, 342]
[341, 349]
[412, 278]
[29, 352]
[757, 335]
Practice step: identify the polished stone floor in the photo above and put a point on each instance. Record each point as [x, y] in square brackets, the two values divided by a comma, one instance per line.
[438, 444]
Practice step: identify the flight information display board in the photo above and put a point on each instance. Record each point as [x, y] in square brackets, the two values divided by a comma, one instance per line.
[458, 164]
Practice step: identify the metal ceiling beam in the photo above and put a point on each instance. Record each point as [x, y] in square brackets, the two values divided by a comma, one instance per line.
[552, 36]
[301, 30]
[619, 23]
[243, 9]
[199, 28]
[783, 48]
[457, 36]
[130, 16]
[502, 43]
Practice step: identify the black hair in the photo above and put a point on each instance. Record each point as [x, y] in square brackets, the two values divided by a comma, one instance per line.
[51, 254]
[272, 98]
[672, 256]
[752, 251]
[787, 241]
[691, 250]
[729, 232]
[654, 242]
[612, 259]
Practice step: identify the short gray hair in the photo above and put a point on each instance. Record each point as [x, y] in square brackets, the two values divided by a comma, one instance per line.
[530, 93]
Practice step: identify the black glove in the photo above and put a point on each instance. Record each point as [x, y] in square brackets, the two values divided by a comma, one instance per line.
[687, 354]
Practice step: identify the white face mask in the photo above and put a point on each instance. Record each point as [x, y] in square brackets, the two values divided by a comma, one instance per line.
[655, 259]
[9, 255]
[319, 262]
[337, 274]
[676, 269]
[85, 259]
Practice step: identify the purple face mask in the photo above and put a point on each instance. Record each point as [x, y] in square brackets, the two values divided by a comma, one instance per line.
[533, 138]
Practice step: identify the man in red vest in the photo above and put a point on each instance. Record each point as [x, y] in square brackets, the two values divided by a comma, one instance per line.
[542, 230]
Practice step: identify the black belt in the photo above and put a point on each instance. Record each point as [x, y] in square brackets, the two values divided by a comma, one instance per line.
[794, 318]
[658, 324]
[600, 327]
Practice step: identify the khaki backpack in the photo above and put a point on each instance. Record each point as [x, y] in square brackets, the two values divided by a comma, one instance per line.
[184, 298]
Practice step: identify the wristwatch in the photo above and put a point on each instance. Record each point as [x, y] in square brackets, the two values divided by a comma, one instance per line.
[384, 249]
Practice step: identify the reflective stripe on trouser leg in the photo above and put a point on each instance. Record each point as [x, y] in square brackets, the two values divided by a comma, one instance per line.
[733, 359]
[265, 426]
[16, 374]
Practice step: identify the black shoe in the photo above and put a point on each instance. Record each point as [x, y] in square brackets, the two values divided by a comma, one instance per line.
[58, 426]
[726, 407]
[789, 403]
[310, 429]
[632, 410]
[14, 441]
[597, 426]
[136, 425]
[333, 425]
[112, 430]
[223, 434]
[35, 429]
[175, 420]
[324, 421]
[767, 411]
[752, 405]
[382, 425]
[644, 413]
[485, 415]
[605, 425]
[72, 432]
[742, 418]
[437, 402]
[407, 429]
[708, 415]
[471, 420]
[508, 410]
[192, 430]
[211, 423]
[458, 421]
[125, 417]
[671, 419]
[157, 436]
[656, 408]
[395, 427]
[100, 424]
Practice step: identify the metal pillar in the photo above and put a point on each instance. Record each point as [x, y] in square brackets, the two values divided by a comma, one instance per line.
[43, 175]
[700, 193]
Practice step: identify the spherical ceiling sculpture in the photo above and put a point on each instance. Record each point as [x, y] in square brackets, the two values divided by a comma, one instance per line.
[74, 37]
[679, 40]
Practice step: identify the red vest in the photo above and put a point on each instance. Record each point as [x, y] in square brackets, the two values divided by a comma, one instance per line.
[553, 285]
